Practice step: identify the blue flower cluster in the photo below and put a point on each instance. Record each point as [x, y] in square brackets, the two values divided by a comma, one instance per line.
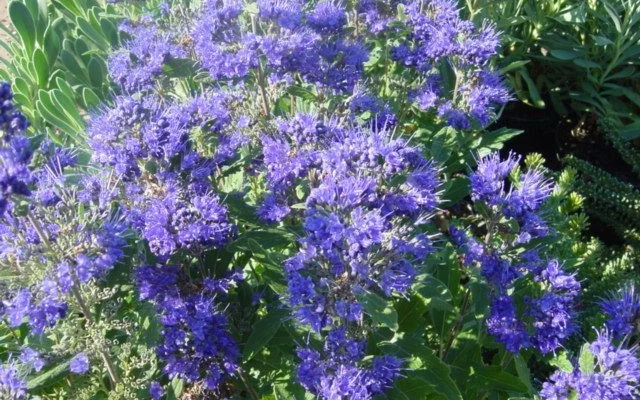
[196, 345]
[72, 260]
[12, 386]
[79, 364]
[335, 375]
[282, 41]
[615, 376]
[548, 320]
[15, 151]
[55, 251]
[168, 180]
[141, 59]
[12, 121]
[360, 234]
[623, 310]
[439, 38]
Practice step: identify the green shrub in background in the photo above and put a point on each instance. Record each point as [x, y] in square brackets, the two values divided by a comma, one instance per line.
[57, 62]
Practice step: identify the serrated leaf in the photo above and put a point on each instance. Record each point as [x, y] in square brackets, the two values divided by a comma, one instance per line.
[523, 372]
[562, 362]
[411, 314]
[456, 189]
[176, 388]
[302, 92]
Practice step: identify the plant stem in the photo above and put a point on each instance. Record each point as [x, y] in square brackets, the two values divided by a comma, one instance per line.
[111, 369]
[260, 75]
[456, 327]
[113, 374]
[245, 382]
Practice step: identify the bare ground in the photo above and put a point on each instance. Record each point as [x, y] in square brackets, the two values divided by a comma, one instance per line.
[4, 20]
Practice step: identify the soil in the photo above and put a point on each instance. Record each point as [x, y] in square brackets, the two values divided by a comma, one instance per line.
[4, 20]
[555, 136]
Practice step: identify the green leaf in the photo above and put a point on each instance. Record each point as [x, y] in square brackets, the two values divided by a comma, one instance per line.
[442, 143]
[380, 310]
[456, 189]
[110, 31]
[51, 111]
[564, 55]
[534, 94]
[176, 388]
[494, 378]
[262, 332]
[266, 238]
[96, 72]
[630, 131]
[602, 41]
[232, 183]
[42, 68]
[51, 45]
[65, 87]
[613, 14]
[562, 362]
[302, 92]
[586, 360]
[180, 67]
[631, 95]
[23, 22]
[623, 73]
[69, 108]
[431, 370]
[72, 5]
[90, 99]
[411, 314]
[96, 37]
[436, 292]
[410, 388]
[581, 62]
[573, 15]
[47, 377]
[514, 65]
[71, 63]
[523, 372]
[495, 140]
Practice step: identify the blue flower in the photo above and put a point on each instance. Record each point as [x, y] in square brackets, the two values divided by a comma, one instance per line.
[32, 358]
[616, 375]
[623, 310]
[156, 391]
[12, 386]
[327, 17]
[196, 344]
[79, 364]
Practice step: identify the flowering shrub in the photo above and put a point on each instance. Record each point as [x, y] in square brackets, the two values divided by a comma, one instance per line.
[286, 199]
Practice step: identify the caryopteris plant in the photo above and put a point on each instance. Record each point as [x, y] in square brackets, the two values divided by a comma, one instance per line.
[290, 199]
